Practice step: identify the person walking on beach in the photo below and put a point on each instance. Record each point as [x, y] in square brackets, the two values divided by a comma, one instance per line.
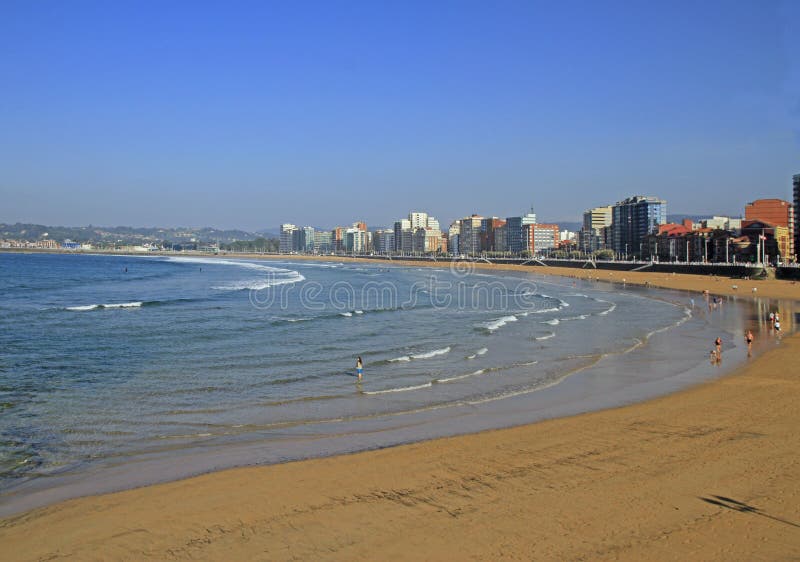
[718, 345]
[748, 337]
[359, 367]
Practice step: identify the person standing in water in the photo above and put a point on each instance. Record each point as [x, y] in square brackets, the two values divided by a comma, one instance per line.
[748, 337]
[718, 345]
[359, 367]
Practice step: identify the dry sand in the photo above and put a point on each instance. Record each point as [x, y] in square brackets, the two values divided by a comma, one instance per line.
[708, 473]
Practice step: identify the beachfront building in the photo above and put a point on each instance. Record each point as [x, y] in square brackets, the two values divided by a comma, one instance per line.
[402, 236]
[306, 242]
[541, 238]
[288, 237]
[776, 213]
[418, 220]
[796, 191]
[469, 239]
[453, 235]
[383, 241]
[632, 220]
[688, 242]
[405, 230]
[427, 241]
[488, 229]
[357, 239]
[596, 229]
[516, 242]
[501, 238]
[323, 242]
[770, 241]
[722, 223]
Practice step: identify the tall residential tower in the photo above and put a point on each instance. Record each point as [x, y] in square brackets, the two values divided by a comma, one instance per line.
[632, 220]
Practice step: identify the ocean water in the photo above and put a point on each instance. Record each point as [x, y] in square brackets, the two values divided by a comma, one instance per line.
[149, 368]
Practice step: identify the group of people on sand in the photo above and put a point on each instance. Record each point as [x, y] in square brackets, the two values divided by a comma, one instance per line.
[774, 322]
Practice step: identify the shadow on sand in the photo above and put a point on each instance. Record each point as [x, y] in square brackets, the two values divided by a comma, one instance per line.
[735, 505]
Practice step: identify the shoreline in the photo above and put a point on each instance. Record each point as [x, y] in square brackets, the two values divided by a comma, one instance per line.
[703, 473]
[720, 285]
[319, 470]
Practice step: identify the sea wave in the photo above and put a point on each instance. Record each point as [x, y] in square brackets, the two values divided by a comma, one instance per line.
[546, 336]
[400, 389]
[499, 323]
[259, 284]
[274, 275]
[552, 322]
[426, 355]
[561, 303]
[133, 304]
[579, 317]
[86, 307]
[460, 377]
[481, 351]
[609, 310]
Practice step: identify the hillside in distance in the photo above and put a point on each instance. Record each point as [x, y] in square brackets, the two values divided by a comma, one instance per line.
[121, 234]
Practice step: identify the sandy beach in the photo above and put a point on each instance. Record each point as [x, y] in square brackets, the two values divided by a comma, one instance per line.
[708, 473]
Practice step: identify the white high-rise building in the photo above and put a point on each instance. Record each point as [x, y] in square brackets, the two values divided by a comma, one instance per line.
[418, 220]
[286, 243]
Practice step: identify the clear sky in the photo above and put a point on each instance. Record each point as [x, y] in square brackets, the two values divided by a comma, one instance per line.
[249, 114]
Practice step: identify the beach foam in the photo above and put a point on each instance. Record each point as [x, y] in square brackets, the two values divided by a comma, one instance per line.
[426, 355]
[400, 389]
[499, 323]
[135, 304]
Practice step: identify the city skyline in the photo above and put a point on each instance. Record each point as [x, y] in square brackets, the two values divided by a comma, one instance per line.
[251, 115]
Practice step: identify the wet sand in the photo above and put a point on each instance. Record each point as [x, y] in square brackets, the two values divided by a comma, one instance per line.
[711, 473]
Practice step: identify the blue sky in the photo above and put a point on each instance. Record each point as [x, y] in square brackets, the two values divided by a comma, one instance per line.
[248, 114]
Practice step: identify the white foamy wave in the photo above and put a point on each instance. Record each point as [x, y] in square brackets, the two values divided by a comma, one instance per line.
[401, 389]
[545, 310]
[237, 263]
[347, 314]
[135, 304]
[426, 355]
[433, 353]
[581, 317]
[124, 305]
[460, 377]
[499, 323]
[610, 309]
[553, 322]
[561, 303]
[81, 308]
[546, 336]
[481, 351]
[359, 311]
[274, 275]
[259, 284]
[509, 395]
